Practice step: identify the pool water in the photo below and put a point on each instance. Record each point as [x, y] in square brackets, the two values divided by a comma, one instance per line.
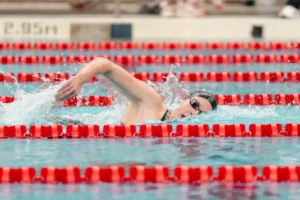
[155, 151]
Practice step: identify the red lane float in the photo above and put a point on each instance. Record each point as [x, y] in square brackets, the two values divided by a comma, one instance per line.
[256, 46]
[287, 99]
[7, 99]
[265, 130]
[191, 77]
[56, 77]
[100, 101]
[40, 131]
[4, 45]
[293, 76]
[180, 174]
[244, 174]
[124, 131]
[191, 175]
[193, 45]
[281, 174]
[231, 99]
[43, 46]
[8, 77]
[171, 45]
[112, 174]
[257, 99]
[82, 131]
[128, 60]
[161, 76]
[195, 59]
[76, 59]
[235, 45]
[278, 46]
[75, 102]
[64, 46]
[143, 174]
[233, 130]
[7, 60]
[151, 45]
[295, 45]
[28, 60]
[262, 58]
[107, 45]
[245, 76]
[90, 46]
[17, 175]
[21, 46]
[214, 45]
[134, 61]
[128, 45]
[242, 59]
[148, 59]
[218, 76]
[272, 76]
[67, 175]
[219, 59]
[292, 129]
[285, 58]
[17, 131]
[52, 60]
[171, 59]
[29, 77]
[149, 130]
[186, 130]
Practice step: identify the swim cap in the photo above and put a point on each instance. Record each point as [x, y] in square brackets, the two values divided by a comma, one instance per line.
[208, 96]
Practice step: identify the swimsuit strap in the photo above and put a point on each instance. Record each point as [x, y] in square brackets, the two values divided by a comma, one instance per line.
[165, 116]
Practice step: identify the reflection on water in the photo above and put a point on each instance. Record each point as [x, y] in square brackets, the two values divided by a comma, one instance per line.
[215, 190]
[150, 151]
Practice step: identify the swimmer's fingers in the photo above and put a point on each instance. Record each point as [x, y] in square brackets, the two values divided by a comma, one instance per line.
[65, 92]
[62, 92]
[67, 95]
[63, 87]
[69, 90]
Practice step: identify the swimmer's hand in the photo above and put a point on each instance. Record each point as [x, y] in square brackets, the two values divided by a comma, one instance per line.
[70, 89]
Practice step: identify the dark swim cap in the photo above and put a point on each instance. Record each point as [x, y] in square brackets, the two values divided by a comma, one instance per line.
[206, 95]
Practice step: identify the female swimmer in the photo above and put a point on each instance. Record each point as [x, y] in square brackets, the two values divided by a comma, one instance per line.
[145, 103]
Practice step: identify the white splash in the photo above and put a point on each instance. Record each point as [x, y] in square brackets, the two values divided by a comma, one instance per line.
[29, 107]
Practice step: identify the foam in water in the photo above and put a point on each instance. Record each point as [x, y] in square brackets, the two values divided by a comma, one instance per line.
[29, 107]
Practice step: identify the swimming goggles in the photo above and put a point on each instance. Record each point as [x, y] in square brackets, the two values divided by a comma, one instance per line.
[195, 104]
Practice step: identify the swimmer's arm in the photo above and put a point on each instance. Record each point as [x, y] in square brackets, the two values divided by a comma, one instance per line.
[134, 89]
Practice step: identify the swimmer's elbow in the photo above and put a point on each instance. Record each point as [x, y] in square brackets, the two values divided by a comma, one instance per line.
[103, 65]
[101, 60]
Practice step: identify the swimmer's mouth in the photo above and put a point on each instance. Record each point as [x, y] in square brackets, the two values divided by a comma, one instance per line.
[182, 116]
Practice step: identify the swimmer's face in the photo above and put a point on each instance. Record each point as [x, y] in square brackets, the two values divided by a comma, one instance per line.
[189, 107]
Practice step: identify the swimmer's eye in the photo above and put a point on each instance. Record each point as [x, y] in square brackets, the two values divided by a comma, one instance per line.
[195, 104]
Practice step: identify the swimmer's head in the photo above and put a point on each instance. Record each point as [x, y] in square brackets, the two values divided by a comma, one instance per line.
[197, 103]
